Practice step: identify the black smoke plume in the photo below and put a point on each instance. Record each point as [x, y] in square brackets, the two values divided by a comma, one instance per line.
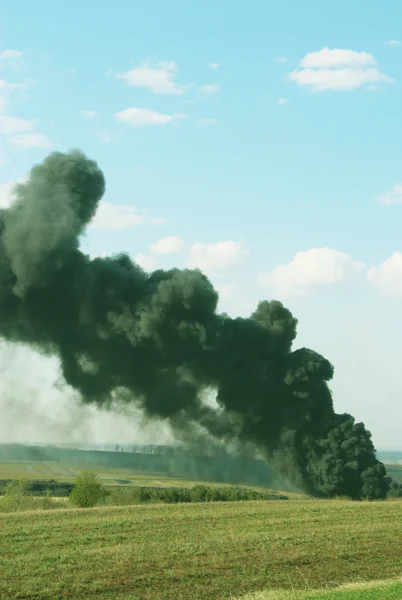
[157, 340]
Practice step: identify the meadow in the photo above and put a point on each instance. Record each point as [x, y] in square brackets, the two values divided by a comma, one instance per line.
[200, 551]
[301, 549]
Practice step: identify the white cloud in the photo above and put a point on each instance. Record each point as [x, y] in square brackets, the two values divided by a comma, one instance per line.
[147, 262]
[207, 121]
[209, 89]
[10, 54]
[14, 125]
[329, 58]
[392, 196]
[281, 59]
[216, 257]
[167, 245]
[388, 276]
[141, 117]
[318, 266]
[30, 140]
[338, 79]
[7, 193]
[393, 43]
[115, 217]
[158, 78]
[338, 69]
[282, 100]
[89, 114]
[233, 300]
[21, 133]
[214, 65]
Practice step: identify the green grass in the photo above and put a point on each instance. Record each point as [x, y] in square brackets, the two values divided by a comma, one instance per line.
[381, 590]
[200, 551]
[30, 503]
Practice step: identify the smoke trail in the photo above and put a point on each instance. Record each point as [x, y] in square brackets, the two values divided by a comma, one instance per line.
[156, 340]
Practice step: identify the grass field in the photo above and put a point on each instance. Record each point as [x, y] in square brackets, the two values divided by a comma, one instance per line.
[381, 590]
[200, 551]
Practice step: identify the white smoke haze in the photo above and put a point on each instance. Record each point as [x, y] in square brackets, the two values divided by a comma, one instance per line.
[36, 407]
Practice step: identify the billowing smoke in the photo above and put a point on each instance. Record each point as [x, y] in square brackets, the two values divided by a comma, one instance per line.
[156, 340]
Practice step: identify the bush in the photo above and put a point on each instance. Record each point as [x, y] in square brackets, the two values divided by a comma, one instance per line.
[18, 498]
[88, 490]
[199, 493]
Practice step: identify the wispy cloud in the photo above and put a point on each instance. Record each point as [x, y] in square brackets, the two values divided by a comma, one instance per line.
[14, 125]
[167, 245]
[392, 196]
[142, 117]
[104, 135]
[21, 133]
[338, 69]
[115, 217]
[6, 87]
[89, 114]
[27, 141]
[393, 43]
[9, 56]
[281, 59]
[158, 78]
[216, 257]
[209, 89]
[282, 100]
[6, 90]
[207, 121]
[214, 65]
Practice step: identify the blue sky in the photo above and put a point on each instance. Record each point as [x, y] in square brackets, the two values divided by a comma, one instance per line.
[259, 141]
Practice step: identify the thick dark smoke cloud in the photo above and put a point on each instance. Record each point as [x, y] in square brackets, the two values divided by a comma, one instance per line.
[157, 340]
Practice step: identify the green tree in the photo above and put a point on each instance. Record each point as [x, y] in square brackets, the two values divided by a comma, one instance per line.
[87, 491]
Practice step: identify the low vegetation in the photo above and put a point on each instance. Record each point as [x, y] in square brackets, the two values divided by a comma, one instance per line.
[17, 498]
[88, 492]
[198, 493]
[372, 590]
[200, 551]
